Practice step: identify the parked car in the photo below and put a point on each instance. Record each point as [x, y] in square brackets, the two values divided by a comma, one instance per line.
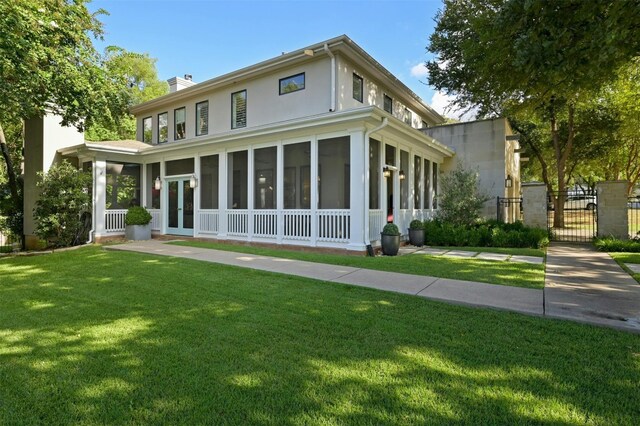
[634, 204]
[577, 202]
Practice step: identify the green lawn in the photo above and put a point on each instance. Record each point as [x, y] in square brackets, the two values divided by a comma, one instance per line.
[487, 271]
[100, 337]
[623, 258]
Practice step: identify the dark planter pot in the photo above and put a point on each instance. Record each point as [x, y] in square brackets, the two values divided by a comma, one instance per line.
[390, 244]
[138, 232]
[416, 237]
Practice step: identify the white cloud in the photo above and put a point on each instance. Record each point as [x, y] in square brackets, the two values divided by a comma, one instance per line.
[443, 103]
[419, 71]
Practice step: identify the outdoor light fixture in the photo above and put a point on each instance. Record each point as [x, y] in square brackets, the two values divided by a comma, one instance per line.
[508, 182]
[402, 175]
[386, 172]
[262, 180]
[157, 184]
[193, 182]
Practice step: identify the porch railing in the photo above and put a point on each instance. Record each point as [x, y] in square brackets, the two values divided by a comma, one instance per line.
[238, 222]
[209, 221]
[377, 220]
[156, 219]
[297, 225]
[334, 225]
[405, 216]
[265, 223]
[114, 220]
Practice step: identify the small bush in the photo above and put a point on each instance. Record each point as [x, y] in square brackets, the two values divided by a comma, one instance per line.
[461, 200]
[416, 225]
[137, 215]
[390, 229]
[614, 244]
[484, 234]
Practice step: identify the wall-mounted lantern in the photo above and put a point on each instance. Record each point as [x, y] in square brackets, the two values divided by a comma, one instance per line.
[508, 182]
[157, 184]
[193, 182]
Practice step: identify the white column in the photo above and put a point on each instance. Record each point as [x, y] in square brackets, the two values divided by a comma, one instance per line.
[250, 194]
[421, 188]
[196, 197]
[143, 185]
[314, 191]
[280, 190]
[384, 197]
[223, 185]
[430, 189]
[100, 201]
[396, 189]
[164, 198]
[367, 188]
[357, 184]
[410, 187]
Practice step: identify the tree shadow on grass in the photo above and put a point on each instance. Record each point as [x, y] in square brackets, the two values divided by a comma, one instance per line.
[103, 337]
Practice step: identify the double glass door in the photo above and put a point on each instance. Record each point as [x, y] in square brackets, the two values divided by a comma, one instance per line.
[180, 218]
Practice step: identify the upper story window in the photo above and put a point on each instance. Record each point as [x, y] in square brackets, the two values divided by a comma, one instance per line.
[180, 120]
[407, 116]
[358, 87]
[292, 84]
[163, 127]
[424, 124]
[147, 130]
[388, 104]
[239, 109]
[202, 118]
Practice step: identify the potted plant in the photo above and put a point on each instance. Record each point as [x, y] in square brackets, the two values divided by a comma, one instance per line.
[416, 233]
[137, 224]
[390, 239]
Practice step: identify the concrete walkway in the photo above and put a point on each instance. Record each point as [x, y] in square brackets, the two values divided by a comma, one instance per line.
[586, 285]
[516, 299]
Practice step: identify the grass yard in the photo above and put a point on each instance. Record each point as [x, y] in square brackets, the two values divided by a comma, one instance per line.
[487, 271]
[95, 337]
[623, 258]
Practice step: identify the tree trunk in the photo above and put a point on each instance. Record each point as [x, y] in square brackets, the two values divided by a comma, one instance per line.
[11, 173]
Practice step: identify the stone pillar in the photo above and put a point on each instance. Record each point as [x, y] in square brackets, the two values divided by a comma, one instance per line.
[534, 204]
[612, 209]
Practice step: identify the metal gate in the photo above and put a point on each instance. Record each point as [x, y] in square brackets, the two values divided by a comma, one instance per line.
[508, 210]
[577, 218]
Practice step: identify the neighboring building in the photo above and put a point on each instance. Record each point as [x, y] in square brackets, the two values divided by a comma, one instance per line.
[317, 147]
[490, 147]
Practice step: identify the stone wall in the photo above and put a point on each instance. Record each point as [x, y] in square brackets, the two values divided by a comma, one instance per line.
[534, 204]
[612, 209]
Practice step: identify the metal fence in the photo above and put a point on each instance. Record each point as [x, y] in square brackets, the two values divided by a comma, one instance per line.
[572, 217]
[508, 210]
[633, 212]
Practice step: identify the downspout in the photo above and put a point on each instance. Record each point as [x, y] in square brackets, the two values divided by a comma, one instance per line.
[333, 77]
[93, 202]
[368, 133]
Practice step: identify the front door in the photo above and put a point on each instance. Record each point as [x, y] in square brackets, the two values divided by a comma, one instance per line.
[180, 217]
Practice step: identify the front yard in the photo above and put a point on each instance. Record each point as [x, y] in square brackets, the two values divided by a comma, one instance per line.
[96, 337]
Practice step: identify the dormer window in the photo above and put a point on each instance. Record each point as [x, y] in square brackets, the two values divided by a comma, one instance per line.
[358, 87]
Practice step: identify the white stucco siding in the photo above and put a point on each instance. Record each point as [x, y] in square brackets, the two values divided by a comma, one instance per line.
[373, 95]
[265, 105]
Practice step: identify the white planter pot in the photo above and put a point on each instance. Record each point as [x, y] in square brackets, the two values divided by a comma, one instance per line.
[138, 232]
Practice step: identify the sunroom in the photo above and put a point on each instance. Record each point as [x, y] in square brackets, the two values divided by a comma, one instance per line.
[323, 184]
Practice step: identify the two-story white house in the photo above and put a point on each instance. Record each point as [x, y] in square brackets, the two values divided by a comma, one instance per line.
[317, 147]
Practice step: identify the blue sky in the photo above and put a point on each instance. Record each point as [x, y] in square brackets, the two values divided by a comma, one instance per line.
[207, 38]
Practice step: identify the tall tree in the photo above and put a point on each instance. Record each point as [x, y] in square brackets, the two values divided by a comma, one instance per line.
[48, 64]
[139, 71]
[509, 56]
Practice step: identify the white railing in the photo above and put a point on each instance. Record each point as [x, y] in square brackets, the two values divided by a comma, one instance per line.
[209, 221]
[114, 220]
[156, 219]
[297, 225]
[377, 220]
[238, 222]
[265, 223]
[334, 225]
[428, 214]
[404, 218]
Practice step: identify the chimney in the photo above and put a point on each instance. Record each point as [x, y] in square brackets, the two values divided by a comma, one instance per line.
[179, 83]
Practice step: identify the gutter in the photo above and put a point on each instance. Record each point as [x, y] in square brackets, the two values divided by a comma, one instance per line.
[333, 77]
[368, 133]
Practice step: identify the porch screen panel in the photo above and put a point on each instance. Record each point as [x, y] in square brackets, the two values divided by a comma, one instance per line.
[404, 183]
[123, 185]
[297, 176]
[426, 184]
[435, 185]
[374, 174]
[180, 167]
[153, 194]
[417, 163]
[209, 167]
[334, 173]
[265, 170]
[237, 180]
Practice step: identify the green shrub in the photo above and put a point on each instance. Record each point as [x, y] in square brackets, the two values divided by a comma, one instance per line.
[63, 211]
[390, 229]
[461, 200]
[137, 215]
[614, 244]
[416, 225]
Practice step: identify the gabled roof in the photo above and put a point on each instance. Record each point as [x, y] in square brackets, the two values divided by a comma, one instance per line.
[341, 44]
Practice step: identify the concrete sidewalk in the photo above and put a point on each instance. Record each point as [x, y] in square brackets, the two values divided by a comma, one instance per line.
[516, 299]
[586, 285]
